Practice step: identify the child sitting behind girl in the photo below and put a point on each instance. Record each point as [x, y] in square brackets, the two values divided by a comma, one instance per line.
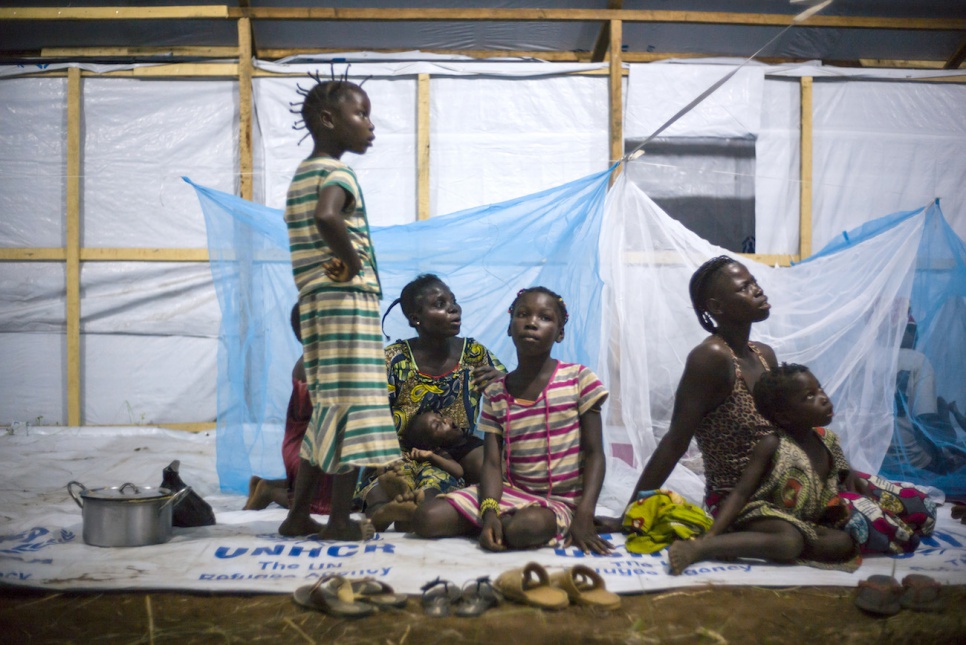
[785, 506]
[543, 460]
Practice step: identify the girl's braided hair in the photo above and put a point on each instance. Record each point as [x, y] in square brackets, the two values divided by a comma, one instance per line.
[410, 294]
[561, 305]
[324, 95]
[699, 287]
[772, 389]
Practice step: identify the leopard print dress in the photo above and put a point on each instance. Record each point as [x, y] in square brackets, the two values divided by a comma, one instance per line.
[727, 435]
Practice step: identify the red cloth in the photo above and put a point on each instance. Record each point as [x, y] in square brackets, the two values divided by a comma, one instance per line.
[296, 421]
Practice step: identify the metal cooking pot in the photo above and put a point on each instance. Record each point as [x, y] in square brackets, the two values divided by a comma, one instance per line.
[126, 515]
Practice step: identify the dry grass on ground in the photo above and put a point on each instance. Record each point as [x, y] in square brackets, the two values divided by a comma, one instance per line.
[699, 615]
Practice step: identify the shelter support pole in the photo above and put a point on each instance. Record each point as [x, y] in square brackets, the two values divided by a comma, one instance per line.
[616, 96]
[422, 147]
[245, 163]
[73, 246]
[805, 194]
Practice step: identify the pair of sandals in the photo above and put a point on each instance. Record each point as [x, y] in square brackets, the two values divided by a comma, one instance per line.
[442, 598]
[348, 598]
[578, 585]
[883, 595]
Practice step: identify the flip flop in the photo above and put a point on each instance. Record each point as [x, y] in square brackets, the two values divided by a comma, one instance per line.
[478, 596]
[377, 593]
[879, 595]
[530, 585]
[438, 597]
[333, 595]
[921, 593]
[584, 586]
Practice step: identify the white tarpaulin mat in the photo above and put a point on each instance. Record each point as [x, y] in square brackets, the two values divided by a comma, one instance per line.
[41, 541]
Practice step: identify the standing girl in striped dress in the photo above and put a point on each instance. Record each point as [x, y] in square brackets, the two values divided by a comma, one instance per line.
[335, 271]
[543, 461]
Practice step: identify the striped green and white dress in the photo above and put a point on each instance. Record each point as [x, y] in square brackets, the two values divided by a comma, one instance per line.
[345, 365]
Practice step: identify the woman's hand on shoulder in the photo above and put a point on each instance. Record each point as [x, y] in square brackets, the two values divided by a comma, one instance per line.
[482, 375]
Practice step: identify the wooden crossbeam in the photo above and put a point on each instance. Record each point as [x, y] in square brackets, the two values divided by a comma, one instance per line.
[115, 13]
[397, 14]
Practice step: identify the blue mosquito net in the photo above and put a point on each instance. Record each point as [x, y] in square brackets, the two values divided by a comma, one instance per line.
[484, 254]
[929, 439]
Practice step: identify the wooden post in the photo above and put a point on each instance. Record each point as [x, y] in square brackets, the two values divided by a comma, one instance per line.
[245, 164]
[616, 78]
[422, 147]
[805, 195]
[73, 246]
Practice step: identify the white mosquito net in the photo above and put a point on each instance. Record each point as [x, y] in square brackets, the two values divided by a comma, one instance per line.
[842, 313]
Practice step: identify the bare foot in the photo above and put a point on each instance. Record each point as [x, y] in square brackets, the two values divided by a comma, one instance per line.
[400, 513]
[681, 554]
[349, 531]
[295, 527]
[252, 487]
[395, 487]
[259, 498]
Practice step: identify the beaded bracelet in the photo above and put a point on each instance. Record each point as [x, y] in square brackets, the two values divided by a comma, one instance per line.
[489, 504]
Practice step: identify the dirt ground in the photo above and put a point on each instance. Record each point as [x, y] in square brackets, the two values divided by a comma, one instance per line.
[700, 615]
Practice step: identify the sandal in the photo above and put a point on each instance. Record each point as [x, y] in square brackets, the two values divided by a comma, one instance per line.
[531, 586]
[922, 593]
[584, 586]
[478, 596]
[333, 595]
[377, 593]
[438, 597]
[879, 595]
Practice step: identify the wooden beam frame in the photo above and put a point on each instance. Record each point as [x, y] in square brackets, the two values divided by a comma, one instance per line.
[112, 254]
[396, 14]
[72, 246]
[805, 188]
[610, 39]
[245, 163]
[616, 95]
[422, 147]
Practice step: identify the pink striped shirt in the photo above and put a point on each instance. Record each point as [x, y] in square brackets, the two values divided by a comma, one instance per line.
[541, 440]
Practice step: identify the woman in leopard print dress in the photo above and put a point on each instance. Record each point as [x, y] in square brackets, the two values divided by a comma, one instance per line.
[713, 402]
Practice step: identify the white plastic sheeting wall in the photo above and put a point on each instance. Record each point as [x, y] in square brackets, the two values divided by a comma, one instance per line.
[498, 130]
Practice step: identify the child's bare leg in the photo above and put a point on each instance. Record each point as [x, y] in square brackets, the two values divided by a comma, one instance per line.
[832, 546]
[262, 492]
[437, 518]
[529, 528]
[341, 526]
[769, 539]
[299, 522]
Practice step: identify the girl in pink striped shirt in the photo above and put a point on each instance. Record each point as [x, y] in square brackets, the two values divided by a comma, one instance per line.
[543, 463]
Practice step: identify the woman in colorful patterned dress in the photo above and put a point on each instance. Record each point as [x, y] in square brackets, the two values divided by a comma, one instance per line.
[435, 371]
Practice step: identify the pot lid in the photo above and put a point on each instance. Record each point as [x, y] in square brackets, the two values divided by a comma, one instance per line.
[126, 491]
